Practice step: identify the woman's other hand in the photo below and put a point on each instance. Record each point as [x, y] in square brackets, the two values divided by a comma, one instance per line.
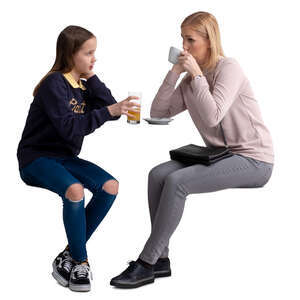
[178, 68]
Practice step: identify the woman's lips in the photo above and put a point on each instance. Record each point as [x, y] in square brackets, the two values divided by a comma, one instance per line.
[91, 67]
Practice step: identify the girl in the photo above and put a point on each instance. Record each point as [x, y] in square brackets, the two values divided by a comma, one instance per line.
[63, 111]
[214, 89]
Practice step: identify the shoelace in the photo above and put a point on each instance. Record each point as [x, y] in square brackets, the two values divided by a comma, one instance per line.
[132, 265]
[67, 263]
[82, 270]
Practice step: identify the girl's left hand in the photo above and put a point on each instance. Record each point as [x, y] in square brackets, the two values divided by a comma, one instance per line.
[189, 63]
[87, 75]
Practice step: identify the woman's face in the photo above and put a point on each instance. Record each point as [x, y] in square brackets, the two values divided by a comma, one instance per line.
[84, 58]
[195, 44]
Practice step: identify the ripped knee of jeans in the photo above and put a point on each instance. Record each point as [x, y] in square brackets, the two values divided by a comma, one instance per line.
[111, 187]
[75, 192]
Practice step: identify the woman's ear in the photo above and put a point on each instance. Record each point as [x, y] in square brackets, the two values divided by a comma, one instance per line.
[208, 45]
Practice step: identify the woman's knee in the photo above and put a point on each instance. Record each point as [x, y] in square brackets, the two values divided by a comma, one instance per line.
[175, 183]
[156, 174]
[111, 186]
[75, 192]
[173, 179]
[176, 179]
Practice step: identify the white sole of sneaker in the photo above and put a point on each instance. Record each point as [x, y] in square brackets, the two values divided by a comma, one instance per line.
[62, 281]
[80, 288]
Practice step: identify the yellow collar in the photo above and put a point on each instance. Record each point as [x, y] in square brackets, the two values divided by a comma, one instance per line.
[73, 82]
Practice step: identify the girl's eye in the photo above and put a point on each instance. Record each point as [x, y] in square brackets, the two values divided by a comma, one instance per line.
[190, 40]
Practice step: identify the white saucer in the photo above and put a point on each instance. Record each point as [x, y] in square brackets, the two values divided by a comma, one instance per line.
[158, 121]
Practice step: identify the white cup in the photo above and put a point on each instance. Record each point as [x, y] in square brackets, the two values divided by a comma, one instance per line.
[174, 53]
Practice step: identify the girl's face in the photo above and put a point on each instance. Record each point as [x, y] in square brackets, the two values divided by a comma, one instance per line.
[84, 58]
[195, 44]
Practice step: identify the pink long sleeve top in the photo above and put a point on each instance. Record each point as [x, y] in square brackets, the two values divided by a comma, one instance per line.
[222, 95]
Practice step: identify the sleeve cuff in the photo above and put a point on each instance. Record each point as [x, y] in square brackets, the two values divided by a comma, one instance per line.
[198, 82]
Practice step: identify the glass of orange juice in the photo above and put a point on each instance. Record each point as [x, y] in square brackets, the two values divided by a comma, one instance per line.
[136, 114]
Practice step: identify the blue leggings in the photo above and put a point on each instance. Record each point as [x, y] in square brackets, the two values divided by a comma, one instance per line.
[56, 175]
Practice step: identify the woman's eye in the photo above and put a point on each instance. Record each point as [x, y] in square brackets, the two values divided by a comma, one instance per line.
[190, 40]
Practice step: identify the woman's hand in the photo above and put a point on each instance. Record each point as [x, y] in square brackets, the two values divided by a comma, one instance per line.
[178, 68]
[87, 75]
[189, 64]
[121, 108]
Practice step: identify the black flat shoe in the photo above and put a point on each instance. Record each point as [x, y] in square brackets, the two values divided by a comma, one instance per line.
[162, 268]
[134, 276]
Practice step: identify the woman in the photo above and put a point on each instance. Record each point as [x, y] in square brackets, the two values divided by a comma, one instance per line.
[215, 89]
[63, 111]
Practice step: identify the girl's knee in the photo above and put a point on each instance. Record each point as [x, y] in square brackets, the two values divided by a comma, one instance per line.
[111, 186]
[75, 192]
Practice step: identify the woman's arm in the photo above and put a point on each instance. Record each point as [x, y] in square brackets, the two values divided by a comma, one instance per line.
[168, 101]
[213, 106]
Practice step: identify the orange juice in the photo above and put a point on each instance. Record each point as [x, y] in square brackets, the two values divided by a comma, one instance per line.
[136, 117]
[136, 114]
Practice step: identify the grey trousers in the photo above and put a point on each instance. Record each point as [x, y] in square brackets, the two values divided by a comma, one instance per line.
[169, 184]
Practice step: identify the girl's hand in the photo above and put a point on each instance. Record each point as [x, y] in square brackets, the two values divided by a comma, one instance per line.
[189, 64]
[87, 75]
[122, 108]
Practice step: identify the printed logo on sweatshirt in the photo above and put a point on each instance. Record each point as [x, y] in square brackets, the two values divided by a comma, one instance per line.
[77, 108]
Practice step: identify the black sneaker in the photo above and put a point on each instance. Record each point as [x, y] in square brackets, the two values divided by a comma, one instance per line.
[162, 268]
[62, 267]
[80, 278]
[134, 276]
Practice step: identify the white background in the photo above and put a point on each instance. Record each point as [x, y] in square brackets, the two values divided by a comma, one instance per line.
[231, 244]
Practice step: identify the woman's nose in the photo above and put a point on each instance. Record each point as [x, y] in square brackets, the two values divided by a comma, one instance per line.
[185, 47]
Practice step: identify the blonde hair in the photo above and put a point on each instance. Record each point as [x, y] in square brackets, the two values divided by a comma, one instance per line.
[206, 25]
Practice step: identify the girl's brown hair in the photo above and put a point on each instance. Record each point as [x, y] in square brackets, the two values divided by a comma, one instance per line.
[206, 26]
[68, 43]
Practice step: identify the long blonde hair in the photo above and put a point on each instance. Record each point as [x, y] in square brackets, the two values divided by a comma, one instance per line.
[206, 25]
[68, 43]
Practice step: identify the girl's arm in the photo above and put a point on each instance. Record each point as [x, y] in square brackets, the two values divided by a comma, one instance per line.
[55, 102]
[98, 94]
[168, 101]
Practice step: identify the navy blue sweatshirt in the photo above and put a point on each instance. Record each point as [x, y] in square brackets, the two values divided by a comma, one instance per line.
[61, 114]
